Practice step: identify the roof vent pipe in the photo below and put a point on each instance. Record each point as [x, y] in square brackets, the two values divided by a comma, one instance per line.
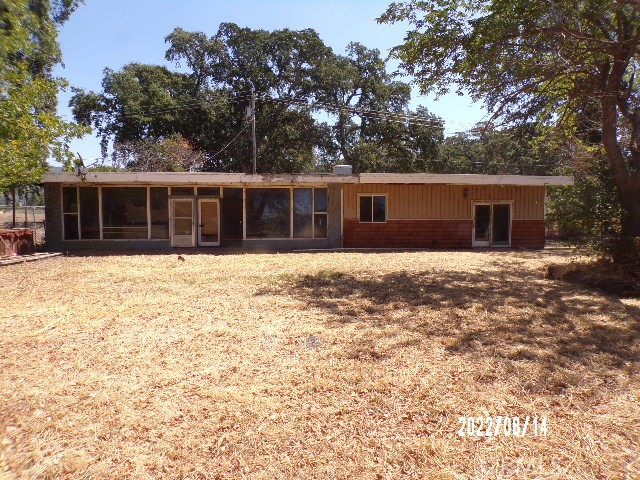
[342, 170]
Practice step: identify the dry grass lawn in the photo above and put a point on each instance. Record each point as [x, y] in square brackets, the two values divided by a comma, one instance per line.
[313, 365]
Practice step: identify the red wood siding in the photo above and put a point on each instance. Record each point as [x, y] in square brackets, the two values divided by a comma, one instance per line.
[408, 234]
[527, 233]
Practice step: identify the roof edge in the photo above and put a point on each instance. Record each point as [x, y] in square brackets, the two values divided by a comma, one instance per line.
[195, 178]
[465, 179]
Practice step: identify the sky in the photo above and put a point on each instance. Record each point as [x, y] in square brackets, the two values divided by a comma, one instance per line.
[112, 33]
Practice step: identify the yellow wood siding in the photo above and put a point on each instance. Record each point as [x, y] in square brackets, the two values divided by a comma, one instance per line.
[434, 201]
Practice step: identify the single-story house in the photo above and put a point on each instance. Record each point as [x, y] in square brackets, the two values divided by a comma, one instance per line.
[118, 210]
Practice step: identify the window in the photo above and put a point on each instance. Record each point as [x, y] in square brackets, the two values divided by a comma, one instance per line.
[70, 213]
[182, 191]
[303, 213]
[89, 212]
[320, 204]
[268, 212]
[159, 205]
[209, 191]
[124, 212]
[373, 208]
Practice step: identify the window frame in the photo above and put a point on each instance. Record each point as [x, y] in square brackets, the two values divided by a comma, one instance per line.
[100, 211]
[291, 188]
[372, 195]
[76, 213]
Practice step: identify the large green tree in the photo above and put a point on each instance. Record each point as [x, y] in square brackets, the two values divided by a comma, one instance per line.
[311, 103]
[30, 130]
[544, 59]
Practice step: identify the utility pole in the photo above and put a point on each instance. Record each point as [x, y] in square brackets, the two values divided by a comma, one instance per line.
[253, 128]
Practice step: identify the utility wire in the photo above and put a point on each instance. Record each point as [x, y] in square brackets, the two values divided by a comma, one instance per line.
[232, 140]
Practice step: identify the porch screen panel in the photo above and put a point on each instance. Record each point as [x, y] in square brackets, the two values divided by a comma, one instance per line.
[159, 200]
[268, 212]
[302, 212]
[124, 212]
[89, 213]
[70, 213]
[320, 216]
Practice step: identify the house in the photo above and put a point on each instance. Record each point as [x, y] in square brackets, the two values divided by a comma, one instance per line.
[150, 210]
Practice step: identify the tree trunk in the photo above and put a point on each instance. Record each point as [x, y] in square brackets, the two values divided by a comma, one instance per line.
[628, 186]
[630, 201]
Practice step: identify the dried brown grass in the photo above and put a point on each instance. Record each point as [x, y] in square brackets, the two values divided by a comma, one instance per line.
[312, 365]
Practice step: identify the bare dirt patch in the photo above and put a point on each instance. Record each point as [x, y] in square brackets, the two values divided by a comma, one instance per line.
[313, 365]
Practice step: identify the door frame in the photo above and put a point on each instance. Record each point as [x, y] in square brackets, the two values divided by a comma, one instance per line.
[200, 225]
[480, 243]
[186, 242]
[491, 203]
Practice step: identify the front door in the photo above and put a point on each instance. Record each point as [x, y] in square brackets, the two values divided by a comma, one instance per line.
[182, 222]
[209, 222]
[491, 225]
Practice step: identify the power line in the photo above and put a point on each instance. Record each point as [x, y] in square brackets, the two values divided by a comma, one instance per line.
[232, 140]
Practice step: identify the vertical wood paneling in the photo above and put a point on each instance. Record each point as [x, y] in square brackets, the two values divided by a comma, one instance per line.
[434, 201]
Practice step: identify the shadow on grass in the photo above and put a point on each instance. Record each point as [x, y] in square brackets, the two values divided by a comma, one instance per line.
[508, 313]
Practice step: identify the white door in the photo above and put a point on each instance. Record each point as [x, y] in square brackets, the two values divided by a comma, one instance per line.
[208, 222]
[182, 232]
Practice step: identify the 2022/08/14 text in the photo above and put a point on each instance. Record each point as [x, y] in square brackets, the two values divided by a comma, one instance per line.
[507, 426]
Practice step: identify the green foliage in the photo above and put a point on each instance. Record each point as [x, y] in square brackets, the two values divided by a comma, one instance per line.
[524, 149]
[30, 130]
[171, 154]
[300, 81]
[559, 62]
[588, 210]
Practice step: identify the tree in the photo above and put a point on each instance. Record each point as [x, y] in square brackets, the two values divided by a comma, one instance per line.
[544, 59]
[30, 130]
[171, 154]
[298, 80]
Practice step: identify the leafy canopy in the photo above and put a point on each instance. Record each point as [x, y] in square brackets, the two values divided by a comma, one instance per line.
[547, 59]
[30, 130]
[309, 111]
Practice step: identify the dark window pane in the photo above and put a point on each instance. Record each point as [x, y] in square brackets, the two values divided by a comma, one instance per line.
[482, 222]
[268, 212]
[365, 209]
[159, 212]
[320, 225]
[70, 226]
[69, 200]
[209, 191]
[124, 212]
[89, 215]
[379, 208]
[232, 193]
[181, 190]
[320, 200]
[302, 213]
[501, 224]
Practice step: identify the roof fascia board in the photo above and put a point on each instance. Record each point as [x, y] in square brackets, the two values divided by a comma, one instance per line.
[188, 178]
[464, 179]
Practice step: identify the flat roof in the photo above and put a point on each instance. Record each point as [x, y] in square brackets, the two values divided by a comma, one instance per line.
[207, 178]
